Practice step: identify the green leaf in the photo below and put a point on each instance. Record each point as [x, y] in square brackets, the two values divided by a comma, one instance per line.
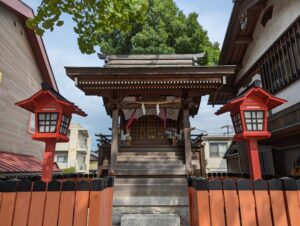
[59, 23]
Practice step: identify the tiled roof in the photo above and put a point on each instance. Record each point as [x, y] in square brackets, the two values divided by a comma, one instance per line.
[20, 163]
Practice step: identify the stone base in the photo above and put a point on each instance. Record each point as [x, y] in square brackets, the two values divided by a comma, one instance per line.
[150, 220]
[180, 211]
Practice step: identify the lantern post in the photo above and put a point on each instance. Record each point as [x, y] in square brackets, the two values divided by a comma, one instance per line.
[249, 114]
[53, 114]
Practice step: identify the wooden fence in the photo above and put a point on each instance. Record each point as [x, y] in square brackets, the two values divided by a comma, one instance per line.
[68, 203]
[244, 202]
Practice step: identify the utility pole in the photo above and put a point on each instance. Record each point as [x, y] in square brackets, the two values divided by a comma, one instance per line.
[227, 127]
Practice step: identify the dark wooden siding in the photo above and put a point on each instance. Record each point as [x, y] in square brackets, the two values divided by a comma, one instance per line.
[21, 78]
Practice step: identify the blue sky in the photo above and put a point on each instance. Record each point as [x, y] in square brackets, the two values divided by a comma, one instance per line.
[62, 49]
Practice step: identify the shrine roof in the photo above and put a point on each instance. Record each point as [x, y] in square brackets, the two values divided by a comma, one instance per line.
[157, 60]
[47, 91]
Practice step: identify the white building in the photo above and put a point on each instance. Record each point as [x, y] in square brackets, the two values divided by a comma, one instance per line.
[215, 147]
[75, 153]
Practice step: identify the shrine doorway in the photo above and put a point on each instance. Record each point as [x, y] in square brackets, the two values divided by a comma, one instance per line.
[150, 127]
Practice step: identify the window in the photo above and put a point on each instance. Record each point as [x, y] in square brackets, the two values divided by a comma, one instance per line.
[31, 123]
[280, 65]
[62, 158]
[237, 123]
[267, 15]
[64, 125]
[254, 120]
[47, 122]
[217, 149]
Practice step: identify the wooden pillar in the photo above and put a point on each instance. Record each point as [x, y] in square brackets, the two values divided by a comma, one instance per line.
[114, 141]
[187, 139]
[202, 162]
[254, 164]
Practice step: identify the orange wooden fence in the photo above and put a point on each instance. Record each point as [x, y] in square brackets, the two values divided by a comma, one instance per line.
[244, 202]
[84, 203]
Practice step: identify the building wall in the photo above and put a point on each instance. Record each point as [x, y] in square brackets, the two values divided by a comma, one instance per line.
[284, 13]
[215, 164]
[285, 160]
[77, 149]
[21, 79]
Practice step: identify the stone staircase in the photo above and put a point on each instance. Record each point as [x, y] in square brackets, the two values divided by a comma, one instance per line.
[150, 179]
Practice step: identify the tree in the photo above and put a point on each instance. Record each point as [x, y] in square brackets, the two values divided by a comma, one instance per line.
[93, 18]
[166, 30]
[130, 27]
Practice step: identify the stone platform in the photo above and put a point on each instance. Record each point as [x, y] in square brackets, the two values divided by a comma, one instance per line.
[150, 220]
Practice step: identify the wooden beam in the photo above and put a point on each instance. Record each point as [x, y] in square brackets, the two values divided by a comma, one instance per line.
[149, 72]
[243, 40]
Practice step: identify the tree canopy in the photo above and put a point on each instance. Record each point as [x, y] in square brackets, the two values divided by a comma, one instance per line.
[130, 27]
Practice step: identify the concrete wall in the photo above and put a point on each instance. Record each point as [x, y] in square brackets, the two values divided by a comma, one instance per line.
[215, 164]
[21, 79]
[78, 148]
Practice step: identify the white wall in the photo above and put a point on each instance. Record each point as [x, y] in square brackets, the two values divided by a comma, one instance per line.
[291, 94]
[284, 13]
[215, 164]
[76, 148]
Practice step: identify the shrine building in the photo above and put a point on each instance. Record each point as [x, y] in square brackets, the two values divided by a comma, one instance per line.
[150, 99]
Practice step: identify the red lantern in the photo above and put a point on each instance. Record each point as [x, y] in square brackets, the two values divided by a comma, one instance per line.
[249, 114]
[53, 114]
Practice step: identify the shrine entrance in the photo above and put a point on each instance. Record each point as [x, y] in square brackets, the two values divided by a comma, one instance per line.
[150, 127]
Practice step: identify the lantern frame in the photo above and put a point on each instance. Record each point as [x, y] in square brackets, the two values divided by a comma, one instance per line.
[253, 99]
[47, 101]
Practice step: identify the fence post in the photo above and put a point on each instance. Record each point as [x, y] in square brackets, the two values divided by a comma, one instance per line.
[52, 203]
[202, 205]
[247, 204]
[107, 202]
[216, 202]
[263, 205]
[292, 204]
[8, 202]
[277, 203]
[81, 203]
[95, 202]
[22, 203]
[66, 205]
[231, 203]
[37, 204]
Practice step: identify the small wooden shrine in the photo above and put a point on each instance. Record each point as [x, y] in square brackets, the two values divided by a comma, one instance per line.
[150, 99]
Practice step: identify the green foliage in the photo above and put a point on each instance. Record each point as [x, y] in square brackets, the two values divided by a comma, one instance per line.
[71, 169]
[93, 18]
[129, 27]
[166, 30]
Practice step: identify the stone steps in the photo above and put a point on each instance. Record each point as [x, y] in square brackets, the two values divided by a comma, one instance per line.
[146, 161]
[150, 220]
[175, 190]
[150, 158]
[161, 148]
[150, 181]
[150, 166]
[151, 201]
[141, 172]
[141, 166]
[151, 153]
